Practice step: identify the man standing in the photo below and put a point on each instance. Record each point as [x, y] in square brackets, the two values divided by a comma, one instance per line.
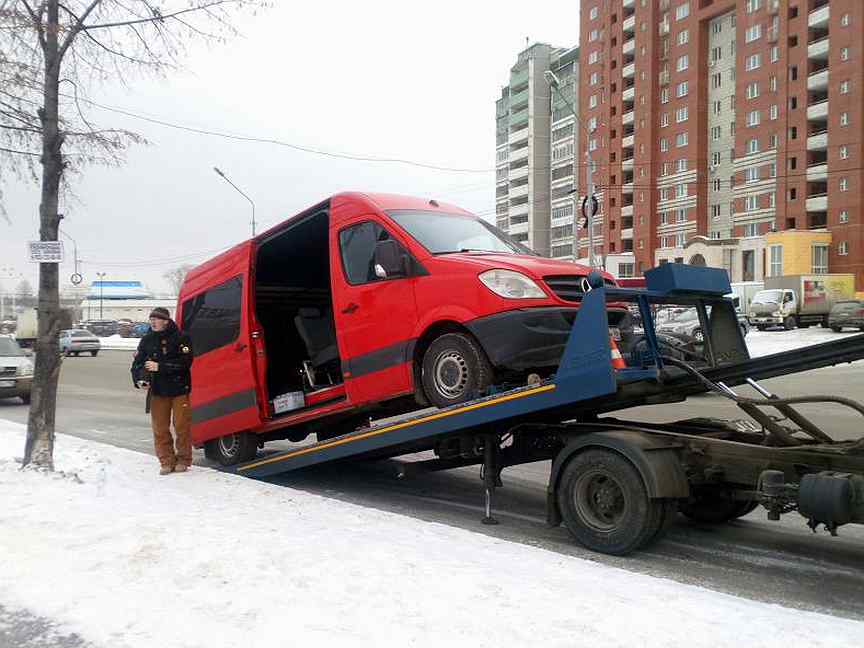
[162, 364]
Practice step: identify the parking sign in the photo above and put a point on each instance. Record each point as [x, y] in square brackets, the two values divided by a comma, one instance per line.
[45, 251]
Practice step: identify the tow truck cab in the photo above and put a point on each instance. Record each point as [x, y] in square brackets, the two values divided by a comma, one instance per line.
[366, 303]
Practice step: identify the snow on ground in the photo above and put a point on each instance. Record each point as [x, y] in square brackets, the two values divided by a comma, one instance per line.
[115, 342]
[126, 558]
[776, 340]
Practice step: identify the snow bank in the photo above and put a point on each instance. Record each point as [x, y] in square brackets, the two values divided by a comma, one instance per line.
[115, 342]
[774, 341]
[128, 558]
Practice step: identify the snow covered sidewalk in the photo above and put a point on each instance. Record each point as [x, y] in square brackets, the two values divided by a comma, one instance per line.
[761, 343]
[124, 557]
[118, 343]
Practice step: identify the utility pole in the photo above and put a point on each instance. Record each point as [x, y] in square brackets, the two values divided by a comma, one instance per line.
[238, 190]
[101, 276]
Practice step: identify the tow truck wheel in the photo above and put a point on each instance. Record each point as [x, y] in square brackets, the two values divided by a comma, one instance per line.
[716, 507]
[789, 323]
[605, 505]
[232, 449]
[454, 369]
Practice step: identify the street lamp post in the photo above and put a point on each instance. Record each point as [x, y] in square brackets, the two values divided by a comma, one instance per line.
[555, 85]
[238, 190]
[101, 276]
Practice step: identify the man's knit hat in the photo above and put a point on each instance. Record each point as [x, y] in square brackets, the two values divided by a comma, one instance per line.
[160, 313]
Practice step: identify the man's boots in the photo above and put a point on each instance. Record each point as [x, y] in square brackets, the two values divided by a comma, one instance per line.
[166, 470]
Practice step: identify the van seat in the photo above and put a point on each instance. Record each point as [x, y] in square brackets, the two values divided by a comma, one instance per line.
[315, 326]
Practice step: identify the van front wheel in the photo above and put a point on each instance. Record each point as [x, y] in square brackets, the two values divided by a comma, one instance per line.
[232, 449]
[455, 369]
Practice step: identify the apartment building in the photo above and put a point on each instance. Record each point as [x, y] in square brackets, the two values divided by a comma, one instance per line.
[522, 153]
[712, 135]
[564, 164]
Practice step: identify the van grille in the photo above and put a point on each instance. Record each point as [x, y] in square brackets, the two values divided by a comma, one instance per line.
[569, 287]
[7, 371]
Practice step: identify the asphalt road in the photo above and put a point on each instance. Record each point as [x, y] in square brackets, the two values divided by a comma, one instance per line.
[780, 562]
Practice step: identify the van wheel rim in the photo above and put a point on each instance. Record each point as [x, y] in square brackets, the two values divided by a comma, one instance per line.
[451, 374]
[600, 500]
[229, 444]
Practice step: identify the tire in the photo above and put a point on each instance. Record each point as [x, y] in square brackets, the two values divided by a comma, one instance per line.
[789, 323]
[454, 369]
[94, 353]
[744, 330]
[715, 507]
[837, 329]
[25, 398]
[605, 505]
[232, 449]
[77, 354]
[697, 336]
[761, 328]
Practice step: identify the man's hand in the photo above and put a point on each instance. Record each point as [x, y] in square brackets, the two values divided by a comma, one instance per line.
[150, 365]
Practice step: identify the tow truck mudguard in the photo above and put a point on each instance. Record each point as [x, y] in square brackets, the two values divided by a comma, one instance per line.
[655, 457]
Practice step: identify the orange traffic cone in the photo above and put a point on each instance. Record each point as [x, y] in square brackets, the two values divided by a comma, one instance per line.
[617, 358]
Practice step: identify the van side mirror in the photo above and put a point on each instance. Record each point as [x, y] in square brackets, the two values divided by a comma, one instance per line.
[390, 261]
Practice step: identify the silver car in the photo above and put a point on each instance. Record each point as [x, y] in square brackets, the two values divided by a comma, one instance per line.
[16, 370]
[78, 341]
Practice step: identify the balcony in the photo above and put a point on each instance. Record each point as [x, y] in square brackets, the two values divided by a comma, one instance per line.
[518, 79]
[629, 24]
[627, 164]
[518, 136]
[629, 46]
[627, 187]
[519, 210]
[628, 3]
[627, 233]
[817, 172]
[627, 142]
[818, 110]
[819, 17]
[518, 119]
[664, 78]
[663, 28]
[818, 141]
[773, 7]
[817, 203]
[518, 174]
[818, 49]
[629, 70]
[627, 211]
[629, 94]
[519, 100]
[818, 80]
[627, 118]
[518, 192]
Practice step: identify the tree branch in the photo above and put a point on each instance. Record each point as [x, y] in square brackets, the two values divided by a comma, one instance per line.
[37, 21]
[15, 152]
[79, 25]
[162, 17]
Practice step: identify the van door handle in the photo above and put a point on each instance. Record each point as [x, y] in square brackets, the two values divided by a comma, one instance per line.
[239, 347]
[350, 308]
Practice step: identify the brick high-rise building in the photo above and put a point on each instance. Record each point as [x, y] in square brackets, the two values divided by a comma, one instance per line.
[727, 132]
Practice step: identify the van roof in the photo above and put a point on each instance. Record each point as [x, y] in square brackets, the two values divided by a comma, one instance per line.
[212, 269]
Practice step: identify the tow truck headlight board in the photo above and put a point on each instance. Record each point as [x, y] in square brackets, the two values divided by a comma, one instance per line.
[511, 285]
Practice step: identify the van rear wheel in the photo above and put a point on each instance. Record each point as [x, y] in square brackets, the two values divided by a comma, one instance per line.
[232, 449]
[455, 368]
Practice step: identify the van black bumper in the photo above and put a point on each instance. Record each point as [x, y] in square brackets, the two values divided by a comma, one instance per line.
[532, 338]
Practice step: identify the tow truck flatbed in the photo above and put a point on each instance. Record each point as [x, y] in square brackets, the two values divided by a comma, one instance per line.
[557, 419]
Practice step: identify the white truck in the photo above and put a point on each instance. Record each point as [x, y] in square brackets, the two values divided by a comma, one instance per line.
[799, 300]
[27, 329]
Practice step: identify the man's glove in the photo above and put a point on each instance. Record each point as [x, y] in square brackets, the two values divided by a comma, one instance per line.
[142, 384]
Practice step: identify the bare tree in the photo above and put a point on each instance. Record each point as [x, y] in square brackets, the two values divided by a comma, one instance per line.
[176, 276]
[52, 54]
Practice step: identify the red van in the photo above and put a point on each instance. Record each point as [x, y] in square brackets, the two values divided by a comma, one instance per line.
[365, 305]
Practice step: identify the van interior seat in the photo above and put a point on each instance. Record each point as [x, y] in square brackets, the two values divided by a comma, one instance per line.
[315, 326]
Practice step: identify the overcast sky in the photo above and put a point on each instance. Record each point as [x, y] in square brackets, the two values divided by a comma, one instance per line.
[384, 79]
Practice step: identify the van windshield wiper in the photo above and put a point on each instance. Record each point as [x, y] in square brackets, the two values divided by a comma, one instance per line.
[476, 250]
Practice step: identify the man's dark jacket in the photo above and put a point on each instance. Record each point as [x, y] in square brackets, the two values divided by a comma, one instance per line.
[173, 351]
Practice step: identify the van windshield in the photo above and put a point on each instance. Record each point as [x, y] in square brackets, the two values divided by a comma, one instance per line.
[447, 233]
[10, 348]
[768, 297]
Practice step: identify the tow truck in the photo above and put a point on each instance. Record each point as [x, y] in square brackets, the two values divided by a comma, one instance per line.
[618, 484]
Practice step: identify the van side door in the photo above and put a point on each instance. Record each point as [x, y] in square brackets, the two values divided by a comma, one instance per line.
[375, 315]
[225, 397]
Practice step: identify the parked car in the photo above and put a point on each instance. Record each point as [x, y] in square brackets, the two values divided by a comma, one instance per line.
[101, 328]
[848, 313]
[124, 327]
[139, 330]
[16, 370]
[686, 325]
[78, 341]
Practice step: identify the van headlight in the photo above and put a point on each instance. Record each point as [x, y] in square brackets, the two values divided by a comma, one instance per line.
[24, 369]
[511, 285]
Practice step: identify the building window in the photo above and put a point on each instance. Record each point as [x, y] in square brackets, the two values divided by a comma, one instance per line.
[715, 133]
[664, 145]
[595, 77]
[753, 118]
[683, 63]
[594, 56]
[753, 90]
[664, 193]
[751, 230]
[844, 216]
[664, 95]
[844, 20]
[663, 218]
[592, 15]
[716, 54]
[772, 83]
[820, 259]
[844, 87]
[681, 139]
[753, 146]
[751, 203]
[844, 119]
[753, 5]
[682, 165]
[772, 200]
[844, 54]
[776, 268]
[775, 54]
[680, 239]
[751, 174]
[682, 11]
[753, 33]
[682, 89]
[772, 170]
[664, 169]
[717, 182]
[844, 184]
[844, 152]
[772, 141]
[664, 120]
[773, 112]
[681, 214]
[592, 144]
[716, 80]
[681, 115]
[752, 62]
[683, 37]
[592, 101]
[681, 190]
[843, 248]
